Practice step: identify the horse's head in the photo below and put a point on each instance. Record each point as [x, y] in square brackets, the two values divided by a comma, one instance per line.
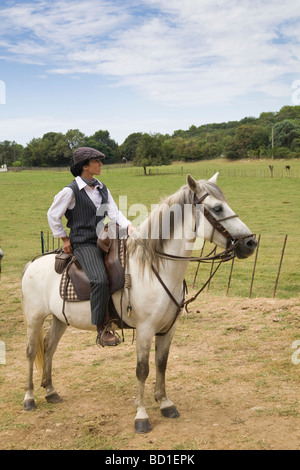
[219, 224]
[1, 254]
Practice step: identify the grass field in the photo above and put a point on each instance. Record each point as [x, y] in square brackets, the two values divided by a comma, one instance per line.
[269, 206]
[230, 369]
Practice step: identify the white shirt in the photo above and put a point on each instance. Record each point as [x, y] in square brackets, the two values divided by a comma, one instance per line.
[65, 199]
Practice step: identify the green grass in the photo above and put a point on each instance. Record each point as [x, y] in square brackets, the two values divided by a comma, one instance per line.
[269, 206]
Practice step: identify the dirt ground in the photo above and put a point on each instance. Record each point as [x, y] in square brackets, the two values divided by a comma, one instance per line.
[231, 374]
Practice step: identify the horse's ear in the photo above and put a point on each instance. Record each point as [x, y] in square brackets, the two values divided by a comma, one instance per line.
[193, 185]
[214, 178]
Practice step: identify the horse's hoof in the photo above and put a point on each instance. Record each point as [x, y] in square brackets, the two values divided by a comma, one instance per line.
[142, 426]
[29, 405]
[53, 398]
[170, 412]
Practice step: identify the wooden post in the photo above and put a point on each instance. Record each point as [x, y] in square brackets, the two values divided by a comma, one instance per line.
[280, 264]
[196, 273]
[42, 242]
[230, 275]
[254, 267]
[271, 169]
[212, 267]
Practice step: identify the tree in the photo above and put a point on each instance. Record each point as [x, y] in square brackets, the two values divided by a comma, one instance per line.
[244, 136]
[288, 112]
[284, 133]
[57, 150]
[129, 146]
[34, 153]
[260, 138]
[101, 141]
[152, 150]
[231, 148]
[10, 152]
[75, 138]
[50, 150]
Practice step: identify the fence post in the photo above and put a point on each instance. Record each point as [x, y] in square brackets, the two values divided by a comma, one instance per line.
[196, 273]
[254, 267]
[280, 264]
[42, 242]
[230, 275]
[212, 267]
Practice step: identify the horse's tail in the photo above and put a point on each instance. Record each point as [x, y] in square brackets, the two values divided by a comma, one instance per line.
[39, 358]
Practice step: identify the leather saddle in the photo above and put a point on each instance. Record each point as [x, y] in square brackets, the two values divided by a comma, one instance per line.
[114, 248]
[75, 286]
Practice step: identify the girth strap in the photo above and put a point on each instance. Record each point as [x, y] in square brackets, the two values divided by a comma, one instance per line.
[179, 306]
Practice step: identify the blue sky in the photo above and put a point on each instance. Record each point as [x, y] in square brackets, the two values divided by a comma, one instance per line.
[143, 66]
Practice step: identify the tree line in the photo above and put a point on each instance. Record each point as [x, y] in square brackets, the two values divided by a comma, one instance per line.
[275, 135]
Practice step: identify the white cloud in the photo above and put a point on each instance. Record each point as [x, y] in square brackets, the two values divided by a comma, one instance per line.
[179, 52]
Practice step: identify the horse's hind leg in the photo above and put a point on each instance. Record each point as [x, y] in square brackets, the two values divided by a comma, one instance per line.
[162, 347]
[50, 344]
[34, 330]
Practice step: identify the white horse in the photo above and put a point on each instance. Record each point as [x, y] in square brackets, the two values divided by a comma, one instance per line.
[156, 299]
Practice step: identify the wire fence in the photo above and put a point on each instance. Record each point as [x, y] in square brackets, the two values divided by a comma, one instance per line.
[251, 277]
[268, 171]
[248, 278]
[205, 173]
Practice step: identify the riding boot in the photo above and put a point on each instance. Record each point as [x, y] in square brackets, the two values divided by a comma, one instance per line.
[107, 337]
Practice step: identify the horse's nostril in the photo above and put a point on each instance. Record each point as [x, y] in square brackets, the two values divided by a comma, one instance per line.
[252, 243]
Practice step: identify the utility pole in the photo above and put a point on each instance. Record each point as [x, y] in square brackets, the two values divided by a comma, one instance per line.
[273, 142]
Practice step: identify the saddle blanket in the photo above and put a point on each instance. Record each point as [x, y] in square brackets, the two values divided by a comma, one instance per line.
[68, 291]
[80, 291]
[74, 284]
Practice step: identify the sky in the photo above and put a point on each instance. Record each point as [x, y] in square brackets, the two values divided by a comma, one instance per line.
[143, 66]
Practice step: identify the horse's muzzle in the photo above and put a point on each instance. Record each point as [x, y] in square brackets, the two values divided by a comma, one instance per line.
[246, 247]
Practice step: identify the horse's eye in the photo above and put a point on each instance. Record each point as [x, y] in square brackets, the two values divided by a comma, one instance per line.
[217, 209]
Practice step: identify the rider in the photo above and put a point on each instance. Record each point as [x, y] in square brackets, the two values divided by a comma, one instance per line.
[81, 202]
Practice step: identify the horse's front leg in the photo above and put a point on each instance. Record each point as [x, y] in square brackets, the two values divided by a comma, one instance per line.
[162, 347]
[143, 345]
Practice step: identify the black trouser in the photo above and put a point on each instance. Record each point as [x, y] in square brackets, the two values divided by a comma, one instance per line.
[91, 260]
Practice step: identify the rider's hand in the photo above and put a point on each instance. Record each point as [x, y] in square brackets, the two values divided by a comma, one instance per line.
[66, 245]
[130, 229]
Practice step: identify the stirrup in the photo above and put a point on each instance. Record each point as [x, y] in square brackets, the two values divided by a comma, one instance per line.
[102, 337]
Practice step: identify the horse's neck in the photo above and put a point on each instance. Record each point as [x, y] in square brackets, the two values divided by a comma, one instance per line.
[181, 245]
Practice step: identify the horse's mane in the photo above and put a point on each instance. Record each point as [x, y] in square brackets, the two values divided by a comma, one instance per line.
[146, 245]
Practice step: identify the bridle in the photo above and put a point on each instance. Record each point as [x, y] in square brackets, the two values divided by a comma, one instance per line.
[217, 225]
[226, 255]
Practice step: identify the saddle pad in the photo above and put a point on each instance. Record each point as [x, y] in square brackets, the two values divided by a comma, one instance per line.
[67, 290]
[81, 291]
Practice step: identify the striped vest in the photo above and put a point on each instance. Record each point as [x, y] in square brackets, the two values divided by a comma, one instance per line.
[83, 218]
